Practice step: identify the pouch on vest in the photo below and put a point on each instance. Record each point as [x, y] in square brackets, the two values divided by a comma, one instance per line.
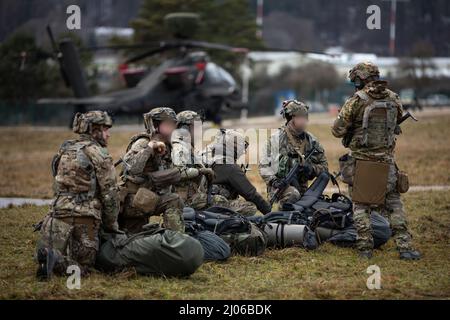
[370, 182]
[145, 200]
[402, 182]
[347, 168]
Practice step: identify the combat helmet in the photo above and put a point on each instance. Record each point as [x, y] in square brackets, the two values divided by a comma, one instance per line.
[157, 115]
[188, 118]
[292, 108]
[83, 122]
[363, 71]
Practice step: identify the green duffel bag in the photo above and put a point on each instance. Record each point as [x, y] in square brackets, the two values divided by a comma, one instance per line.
[153, 252]
[250, 243]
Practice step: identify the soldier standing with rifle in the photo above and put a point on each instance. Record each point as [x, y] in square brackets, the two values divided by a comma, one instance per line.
[295, 146]
[368, 124]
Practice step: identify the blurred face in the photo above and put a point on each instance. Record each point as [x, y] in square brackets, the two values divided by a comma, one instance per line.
[166, 128]
[299, 123]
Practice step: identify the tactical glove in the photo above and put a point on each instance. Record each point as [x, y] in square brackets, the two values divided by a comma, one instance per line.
[277, 183]
[208, 173]
[308, 171]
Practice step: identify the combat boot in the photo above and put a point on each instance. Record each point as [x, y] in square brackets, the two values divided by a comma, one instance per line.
[47, 258]
[410, 255]
[366, 254]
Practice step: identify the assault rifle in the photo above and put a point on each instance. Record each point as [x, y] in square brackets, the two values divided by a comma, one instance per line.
[292, 175]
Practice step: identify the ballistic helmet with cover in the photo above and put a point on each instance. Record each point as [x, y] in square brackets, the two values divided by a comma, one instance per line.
[83, 122]
[157, 115]
[188, 118]
[363, 71]
[162, 114]
[292, 108]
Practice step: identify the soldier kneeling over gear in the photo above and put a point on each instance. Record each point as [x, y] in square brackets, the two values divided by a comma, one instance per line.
[368, 123]
[294, 142]
[86, 199]
[149, 175]
[195, 176]
[230, 180]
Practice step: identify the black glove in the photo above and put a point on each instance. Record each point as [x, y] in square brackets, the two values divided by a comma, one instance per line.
[308, 171]
[277, 183]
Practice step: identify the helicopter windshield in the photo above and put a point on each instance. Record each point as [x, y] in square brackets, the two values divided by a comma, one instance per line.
[216, 74]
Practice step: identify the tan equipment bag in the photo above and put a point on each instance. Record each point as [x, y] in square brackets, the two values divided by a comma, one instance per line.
[370, 182]
[145, 200]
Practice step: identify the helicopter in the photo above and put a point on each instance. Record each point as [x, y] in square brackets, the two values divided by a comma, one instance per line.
[188, 79]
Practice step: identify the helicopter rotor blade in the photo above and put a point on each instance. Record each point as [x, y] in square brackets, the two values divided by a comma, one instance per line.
[57, 55]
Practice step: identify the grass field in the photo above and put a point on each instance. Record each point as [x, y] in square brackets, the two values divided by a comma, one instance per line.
[328, 272]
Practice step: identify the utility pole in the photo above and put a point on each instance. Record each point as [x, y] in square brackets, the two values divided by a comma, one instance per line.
[259, 18]
[393, 25]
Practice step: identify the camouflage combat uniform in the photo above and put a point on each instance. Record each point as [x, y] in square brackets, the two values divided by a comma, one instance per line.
[86, 196]
[193, 185]
[379, 146]
[276, 164]
[139, 163]
[230, 182]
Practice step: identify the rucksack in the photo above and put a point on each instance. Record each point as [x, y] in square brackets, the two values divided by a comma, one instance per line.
[243, 236]
[152, 252]
[214, 247]
[379, 122]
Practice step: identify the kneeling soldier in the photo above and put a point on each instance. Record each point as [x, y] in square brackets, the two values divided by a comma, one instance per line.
[293, 143]
[86, 198]
[189, 161]
[230, 179]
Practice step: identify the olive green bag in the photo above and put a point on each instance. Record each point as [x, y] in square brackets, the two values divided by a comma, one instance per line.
[153, 252]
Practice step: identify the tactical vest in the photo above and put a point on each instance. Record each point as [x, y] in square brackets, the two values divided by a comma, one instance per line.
[142, 135]
[378, 123]
[73, 171]
[138, 136]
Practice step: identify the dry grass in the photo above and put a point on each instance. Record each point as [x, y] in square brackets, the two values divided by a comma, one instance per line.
[326, 273]
[423, 151]
[329, 272]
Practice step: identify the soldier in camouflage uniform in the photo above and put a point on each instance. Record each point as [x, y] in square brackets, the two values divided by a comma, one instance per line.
[371, 136]
[148, 166]
[230, 182]
[196, 176]
[86, 198]
[294, 142]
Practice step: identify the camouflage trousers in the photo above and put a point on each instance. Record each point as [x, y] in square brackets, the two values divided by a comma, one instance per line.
[241, 206]
[290, 195]
[75, 239]
[392, 210]
[169, 205]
